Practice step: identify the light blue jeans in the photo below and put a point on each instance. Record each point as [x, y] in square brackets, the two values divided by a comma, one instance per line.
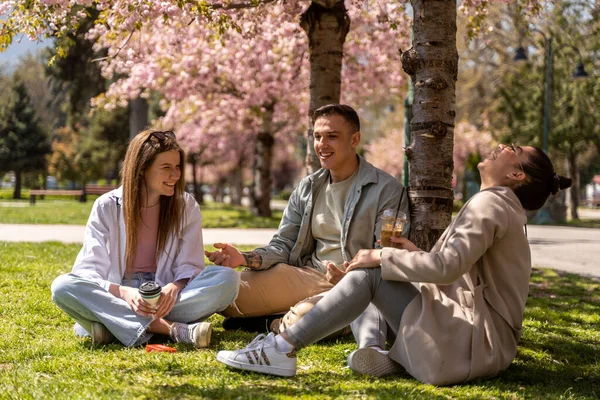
[85, 301]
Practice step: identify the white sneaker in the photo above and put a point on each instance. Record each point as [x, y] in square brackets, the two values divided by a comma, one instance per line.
[261, 355]
[370, 361]
[197, 334]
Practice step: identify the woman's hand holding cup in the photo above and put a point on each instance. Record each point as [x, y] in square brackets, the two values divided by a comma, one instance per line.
[403, 243]
[136, 302]
[168, 297]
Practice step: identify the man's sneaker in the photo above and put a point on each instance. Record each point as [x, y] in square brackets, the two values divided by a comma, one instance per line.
[261, 355]
[197, 334]
[370, 361]
[99, 334]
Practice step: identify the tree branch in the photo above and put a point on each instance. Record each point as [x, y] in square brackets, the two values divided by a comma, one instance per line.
[118, 51]
[237, 6]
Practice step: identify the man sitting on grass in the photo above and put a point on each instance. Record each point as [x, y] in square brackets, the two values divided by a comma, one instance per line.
[331, 215]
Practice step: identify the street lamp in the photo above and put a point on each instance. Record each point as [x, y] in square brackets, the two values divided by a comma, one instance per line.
[521, 55]
[544, 215]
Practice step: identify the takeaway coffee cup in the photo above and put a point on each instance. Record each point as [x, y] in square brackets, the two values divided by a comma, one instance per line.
[150, 292]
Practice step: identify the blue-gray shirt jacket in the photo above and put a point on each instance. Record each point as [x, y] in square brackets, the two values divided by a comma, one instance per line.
[374, 191]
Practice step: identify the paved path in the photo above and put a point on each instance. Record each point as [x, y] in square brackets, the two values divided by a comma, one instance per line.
[568, 249]
[74, 234]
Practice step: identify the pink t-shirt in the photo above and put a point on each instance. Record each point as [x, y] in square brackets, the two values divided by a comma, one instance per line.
[145, 252]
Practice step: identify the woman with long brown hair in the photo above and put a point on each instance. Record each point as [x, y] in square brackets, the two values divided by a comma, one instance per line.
[148, 230]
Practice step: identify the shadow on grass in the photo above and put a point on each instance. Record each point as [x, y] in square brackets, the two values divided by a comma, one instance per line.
[553, 380]
[326, 384]
[559, 354]
[557, 358]
[256, 390]
[553, 357]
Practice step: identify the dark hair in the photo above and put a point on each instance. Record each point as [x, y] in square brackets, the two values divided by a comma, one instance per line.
[541, 181]
[344, 111]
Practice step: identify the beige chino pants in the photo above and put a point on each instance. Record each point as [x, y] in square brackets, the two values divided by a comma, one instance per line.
[276, 290]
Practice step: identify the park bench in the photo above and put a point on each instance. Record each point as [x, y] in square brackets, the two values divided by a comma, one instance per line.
[99, 189]
[81, 193]
[52, 192]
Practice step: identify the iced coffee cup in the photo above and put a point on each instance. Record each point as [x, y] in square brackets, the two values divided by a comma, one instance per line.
[399, 224]
[387, 227]
[150, 292]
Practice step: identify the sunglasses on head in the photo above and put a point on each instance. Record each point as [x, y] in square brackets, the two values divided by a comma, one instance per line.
[161, 136]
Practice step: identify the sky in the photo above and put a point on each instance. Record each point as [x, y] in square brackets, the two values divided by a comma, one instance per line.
[16, 50]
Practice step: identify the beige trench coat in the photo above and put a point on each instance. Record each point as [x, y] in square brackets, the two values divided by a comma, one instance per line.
[467, 320]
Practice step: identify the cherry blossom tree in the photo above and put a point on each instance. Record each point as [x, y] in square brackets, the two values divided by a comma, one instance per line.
[431, 62]
[244, 87]
[205, 79]
[386, 152]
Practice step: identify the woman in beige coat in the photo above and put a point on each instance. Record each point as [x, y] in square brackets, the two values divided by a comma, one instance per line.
[463, 319]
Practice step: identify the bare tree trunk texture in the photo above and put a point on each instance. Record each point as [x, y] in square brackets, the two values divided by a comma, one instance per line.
[574, 173]
[138, 116]
[326, 24]
[263, 160]
[432, 63]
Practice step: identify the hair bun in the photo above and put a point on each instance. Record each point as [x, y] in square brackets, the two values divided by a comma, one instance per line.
[559, 182]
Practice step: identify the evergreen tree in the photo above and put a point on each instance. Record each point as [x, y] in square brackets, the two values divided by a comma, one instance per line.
[86, 145]
[23, 144]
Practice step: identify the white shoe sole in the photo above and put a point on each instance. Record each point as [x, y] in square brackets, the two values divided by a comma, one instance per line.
[369, 361]
[263, 369]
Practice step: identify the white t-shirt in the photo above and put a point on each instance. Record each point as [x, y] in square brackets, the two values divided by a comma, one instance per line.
[326, 224]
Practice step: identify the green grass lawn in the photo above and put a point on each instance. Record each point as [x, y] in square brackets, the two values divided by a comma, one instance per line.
[72, 212]
[559, 356]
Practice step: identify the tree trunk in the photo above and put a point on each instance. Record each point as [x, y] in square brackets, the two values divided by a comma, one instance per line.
[326, 24]
[138, 116]
[263, 159]
[197, 192]
[574, 173]
[220, 190]
[432, 63]
[83, 182]
[237, 183]
[18, 183]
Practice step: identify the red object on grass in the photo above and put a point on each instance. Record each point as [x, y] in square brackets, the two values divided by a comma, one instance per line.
[160, 347]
